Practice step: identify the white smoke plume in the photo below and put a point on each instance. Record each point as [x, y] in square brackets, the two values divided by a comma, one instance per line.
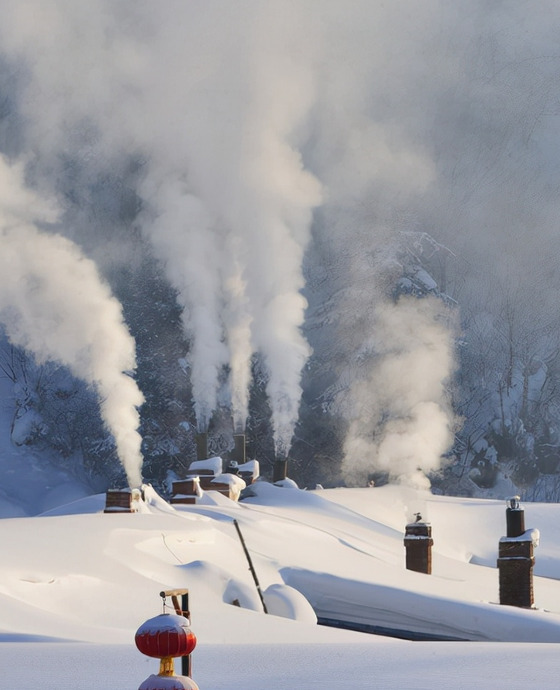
[237, 321]
[248, 116]
[236, 147]
[54, 304]
[214, 104]
[183, 238]
[400, 412]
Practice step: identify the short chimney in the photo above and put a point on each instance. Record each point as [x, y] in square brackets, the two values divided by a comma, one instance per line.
[516, 558]
[239, 450]
[202, 445]
[280, 470]
[515, 518]
[121, 501]
[418, 544]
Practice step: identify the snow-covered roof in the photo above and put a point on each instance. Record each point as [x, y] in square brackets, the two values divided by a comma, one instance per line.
[215, 464]
[251, 466]
[227, 478]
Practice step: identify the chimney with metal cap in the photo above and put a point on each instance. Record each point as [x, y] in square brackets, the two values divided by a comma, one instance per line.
[418, 544]
[516, 558]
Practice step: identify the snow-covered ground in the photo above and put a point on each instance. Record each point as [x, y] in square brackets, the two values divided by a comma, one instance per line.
[77, 575]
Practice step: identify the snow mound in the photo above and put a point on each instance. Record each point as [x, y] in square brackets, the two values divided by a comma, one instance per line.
[285, 601]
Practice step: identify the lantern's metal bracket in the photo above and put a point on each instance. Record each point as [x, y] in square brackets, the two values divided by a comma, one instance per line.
[181, 609]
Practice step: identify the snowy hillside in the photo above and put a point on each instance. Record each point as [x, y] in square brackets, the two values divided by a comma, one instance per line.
[77, 574]
[30, 482]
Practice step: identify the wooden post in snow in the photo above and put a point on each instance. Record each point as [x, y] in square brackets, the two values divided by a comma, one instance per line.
[253, 573]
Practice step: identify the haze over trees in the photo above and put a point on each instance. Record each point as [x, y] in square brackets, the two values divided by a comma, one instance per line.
[337, 222]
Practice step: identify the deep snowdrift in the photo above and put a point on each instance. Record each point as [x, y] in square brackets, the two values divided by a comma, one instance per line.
[77, 574]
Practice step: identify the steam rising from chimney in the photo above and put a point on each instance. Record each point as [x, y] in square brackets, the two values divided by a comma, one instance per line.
[232, 198]
[246, 117]
[217, 108]
[401, 418]
[54, 304]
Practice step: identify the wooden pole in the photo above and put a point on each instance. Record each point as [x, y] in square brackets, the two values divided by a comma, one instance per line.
[181, 610]
[186, 661]
[253, 573]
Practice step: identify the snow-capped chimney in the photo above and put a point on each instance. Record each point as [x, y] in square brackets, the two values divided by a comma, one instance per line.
[516, 558]
[418, 544]
[122, 500]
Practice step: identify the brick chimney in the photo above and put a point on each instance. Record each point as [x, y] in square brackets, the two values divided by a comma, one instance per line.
[418, 544]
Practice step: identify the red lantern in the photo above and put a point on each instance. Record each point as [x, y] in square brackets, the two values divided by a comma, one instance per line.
[166, 635]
